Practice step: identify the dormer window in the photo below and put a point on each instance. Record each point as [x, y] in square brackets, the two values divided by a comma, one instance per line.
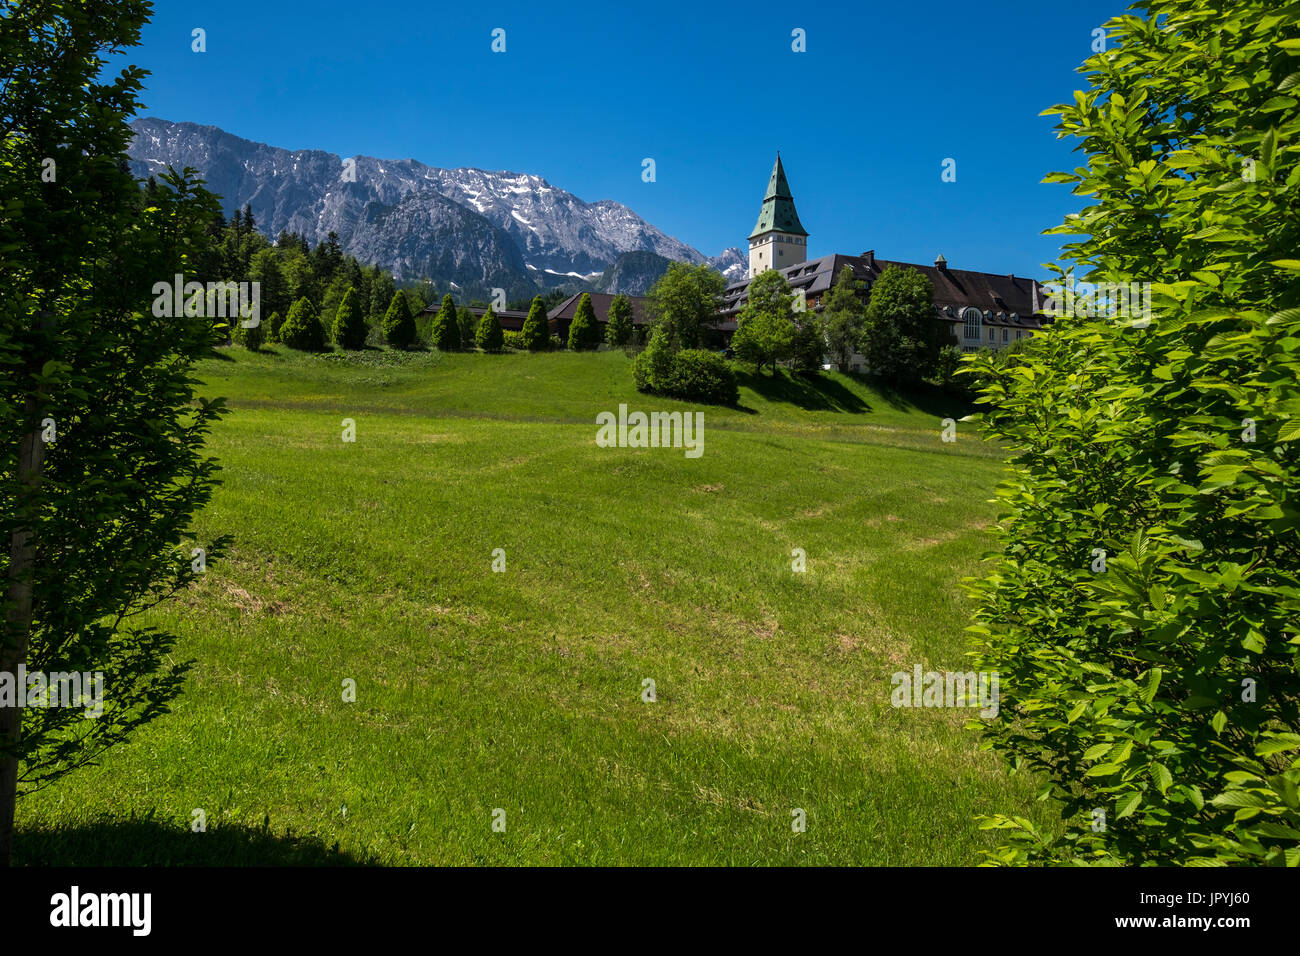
[971, 318]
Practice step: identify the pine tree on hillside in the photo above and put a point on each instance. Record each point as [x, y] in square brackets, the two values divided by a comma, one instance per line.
[584, 333]
[536, 330]
[350, 329]
[618, 330]
[489, 337]
[302, 329]
[445, 333]
[399, 326]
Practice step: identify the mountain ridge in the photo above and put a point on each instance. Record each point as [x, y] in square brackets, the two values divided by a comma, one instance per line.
[485, 226]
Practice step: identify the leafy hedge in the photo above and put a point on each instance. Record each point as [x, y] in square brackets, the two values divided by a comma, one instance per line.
[691, 374]
[1142, 614]
[703, 377]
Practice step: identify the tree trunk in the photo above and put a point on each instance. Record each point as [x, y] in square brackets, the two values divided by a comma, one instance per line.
[18, 622]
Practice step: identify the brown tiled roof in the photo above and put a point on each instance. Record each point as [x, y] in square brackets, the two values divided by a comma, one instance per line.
[600, 303]
[511, 320]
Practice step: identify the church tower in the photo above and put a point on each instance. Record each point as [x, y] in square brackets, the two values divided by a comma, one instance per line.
[779, 240]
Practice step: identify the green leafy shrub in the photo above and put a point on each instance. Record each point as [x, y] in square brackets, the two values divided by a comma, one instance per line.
[1142, 613]
[652, 370]
[252, 338]
[691, 374]
[701, 376]
[302, 329]
[515, 341]
[273, 327]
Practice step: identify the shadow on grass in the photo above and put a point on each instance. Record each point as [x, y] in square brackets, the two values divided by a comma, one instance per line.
[825, 394]
[147, 841]
[812, 392]
[930, 399]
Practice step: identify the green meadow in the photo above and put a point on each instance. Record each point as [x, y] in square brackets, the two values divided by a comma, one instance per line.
[522, 691]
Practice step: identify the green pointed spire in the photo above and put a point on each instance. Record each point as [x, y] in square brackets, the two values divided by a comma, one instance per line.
[778, 213]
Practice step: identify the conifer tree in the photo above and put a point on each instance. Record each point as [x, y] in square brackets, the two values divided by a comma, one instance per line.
[536, 330]
[489, 337]
[399, 326]
[445, 333]
[584, 333]
[468, 328]
[302, 329]
[350, 329]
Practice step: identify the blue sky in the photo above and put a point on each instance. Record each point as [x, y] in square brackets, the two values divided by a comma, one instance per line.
[585, 91]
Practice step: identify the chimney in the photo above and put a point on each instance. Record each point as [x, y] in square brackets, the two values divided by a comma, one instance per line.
[870, 256]
[940, 262]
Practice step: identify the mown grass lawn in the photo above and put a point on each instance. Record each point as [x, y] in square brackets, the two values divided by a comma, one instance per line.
[522, 690]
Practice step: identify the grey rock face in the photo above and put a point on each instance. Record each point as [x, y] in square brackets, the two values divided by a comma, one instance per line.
[416, 220]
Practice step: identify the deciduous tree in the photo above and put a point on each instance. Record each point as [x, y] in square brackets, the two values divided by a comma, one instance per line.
[902, 335]
[618, 325]
[685, 301]
[102, 466]
[765, 330]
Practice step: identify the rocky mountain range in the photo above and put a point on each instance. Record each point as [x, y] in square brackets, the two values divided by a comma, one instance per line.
[469, 226]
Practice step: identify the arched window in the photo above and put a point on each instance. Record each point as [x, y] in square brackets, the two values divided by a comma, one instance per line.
[972, 318]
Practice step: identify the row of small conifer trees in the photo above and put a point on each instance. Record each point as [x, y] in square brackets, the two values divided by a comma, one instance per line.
[304, 330]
